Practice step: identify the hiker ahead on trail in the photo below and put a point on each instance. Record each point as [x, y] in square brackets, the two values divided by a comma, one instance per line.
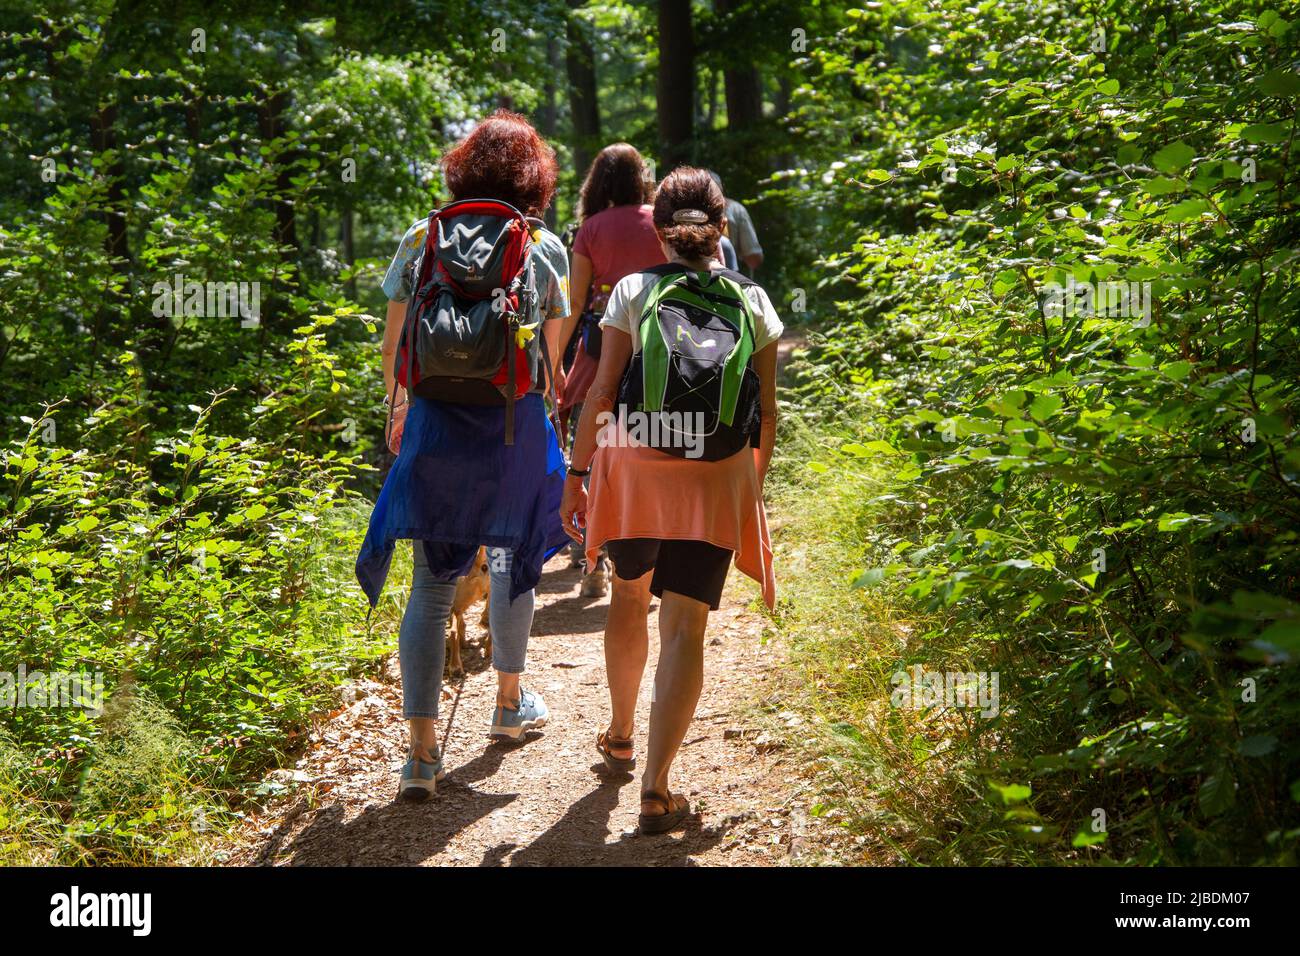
[676, 433]
[740, 234]
[616, 238]
[478, 462]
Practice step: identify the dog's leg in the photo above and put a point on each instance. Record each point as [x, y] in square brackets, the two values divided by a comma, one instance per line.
[455, 639]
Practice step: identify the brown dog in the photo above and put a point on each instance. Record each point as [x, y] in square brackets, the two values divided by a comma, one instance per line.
[470, 589]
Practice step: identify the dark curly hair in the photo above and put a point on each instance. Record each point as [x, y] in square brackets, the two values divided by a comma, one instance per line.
[617, 177]
[689, 188]
[503, 158]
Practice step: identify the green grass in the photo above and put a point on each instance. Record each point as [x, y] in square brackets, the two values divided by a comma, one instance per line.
[913, 786]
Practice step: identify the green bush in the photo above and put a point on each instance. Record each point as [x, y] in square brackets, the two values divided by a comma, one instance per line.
[1101, 508]
[221, 589]
[183, 489]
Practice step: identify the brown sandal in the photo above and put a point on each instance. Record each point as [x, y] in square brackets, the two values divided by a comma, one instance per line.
[605, 742]
[676, 809]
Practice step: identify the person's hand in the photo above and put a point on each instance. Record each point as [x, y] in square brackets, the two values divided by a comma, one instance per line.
[560, 379]
[399, 426]
[573, 508]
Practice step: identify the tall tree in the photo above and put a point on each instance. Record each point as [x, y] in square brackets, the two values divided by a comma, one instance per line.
[272, 124]
[675, 89]
[744, 87]
[580, 65]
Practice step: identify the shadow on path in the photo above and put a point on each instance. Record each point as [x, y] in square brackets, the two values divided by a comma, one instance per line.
[546, 802]
[402, 834]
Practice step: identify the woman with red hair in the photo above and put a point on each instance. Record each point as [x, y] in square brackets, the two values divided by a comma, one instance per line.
[456, 484]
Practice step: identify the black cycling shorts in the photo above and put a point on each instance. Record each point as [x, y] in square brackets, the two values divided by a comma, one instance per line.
[695, 569]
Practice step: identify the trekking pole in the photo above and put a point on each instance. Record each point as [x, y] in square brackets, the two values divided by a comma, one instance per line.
[451, 718]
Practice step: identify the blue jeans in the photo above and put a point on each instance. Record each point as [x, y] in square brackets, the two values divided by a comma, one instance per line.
[422, 640]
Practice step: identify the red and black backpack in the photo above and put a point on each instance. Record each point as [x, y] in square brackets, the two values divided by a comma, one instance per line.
[472, 334]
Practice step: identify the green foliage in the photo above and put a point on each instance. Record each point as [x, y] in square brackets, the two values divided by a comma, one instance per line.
[178, 507]
[1101, 508]
[216, 588]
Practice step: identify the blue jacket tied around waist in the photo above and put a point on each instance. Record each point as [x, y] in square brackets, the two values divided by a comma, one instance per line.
[456, 485]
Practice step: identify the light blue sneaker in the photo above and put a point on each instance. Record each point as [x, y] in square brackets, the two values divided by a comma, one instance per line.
[512, 723]
[420, 778]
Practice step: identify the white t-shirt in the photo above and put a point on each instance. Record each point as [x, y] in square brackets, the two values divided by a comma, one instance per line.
[627, 300]
[740, 230]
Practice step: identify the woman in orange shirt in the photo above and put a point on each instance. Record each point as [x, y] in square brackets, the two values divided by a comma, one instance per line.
[671, 524]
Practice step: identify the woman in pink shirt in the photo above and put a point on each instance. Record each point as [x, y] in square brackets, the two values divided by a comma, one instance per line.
[671, 525]
[617, 238]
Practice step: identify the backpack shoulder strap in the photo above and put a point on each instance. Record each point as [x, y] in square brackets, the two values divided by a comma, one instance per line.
[416, 267]
[665, 269]
[657, 286]
[739, 278]
[745, 283]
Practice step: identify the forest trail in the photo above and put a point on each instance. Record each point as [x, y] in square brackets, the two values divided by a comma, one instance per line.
[545, 802]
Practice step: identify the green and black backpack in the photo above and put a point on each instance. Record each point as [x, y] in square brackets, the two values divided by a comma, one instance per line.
[692, 383]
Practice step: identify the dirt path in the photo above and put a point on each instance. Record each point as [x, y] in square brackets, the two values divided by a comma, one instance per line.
[543, 802]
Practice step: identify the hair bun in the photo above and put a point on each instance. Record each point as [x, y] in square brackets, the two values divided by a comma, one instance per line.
[690, 215]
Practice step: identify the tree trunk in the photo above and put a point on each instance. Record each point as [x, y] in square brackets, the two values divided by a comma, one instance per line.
[112, 323]
[676, 83]
[580, 66]
[744, 86]
[548, 112]
[744, 98]
[271, 125]
[103, 138]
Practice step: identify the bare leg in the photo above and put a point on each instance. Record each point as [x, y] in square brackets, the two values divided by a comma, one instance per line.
[627, 644]
[679, 678]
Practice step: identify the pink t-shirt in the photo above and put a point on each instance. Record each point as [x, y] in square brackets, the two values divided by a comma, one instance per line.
[619, 241]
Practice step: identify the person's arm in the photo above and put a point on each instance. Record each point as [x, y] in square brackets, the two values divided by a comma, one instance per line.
[579, 287]
[765, 367]
[393, 320]
[745, 238]
[615, 352]
[397, 283]
[397, 287]
[551, 332]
